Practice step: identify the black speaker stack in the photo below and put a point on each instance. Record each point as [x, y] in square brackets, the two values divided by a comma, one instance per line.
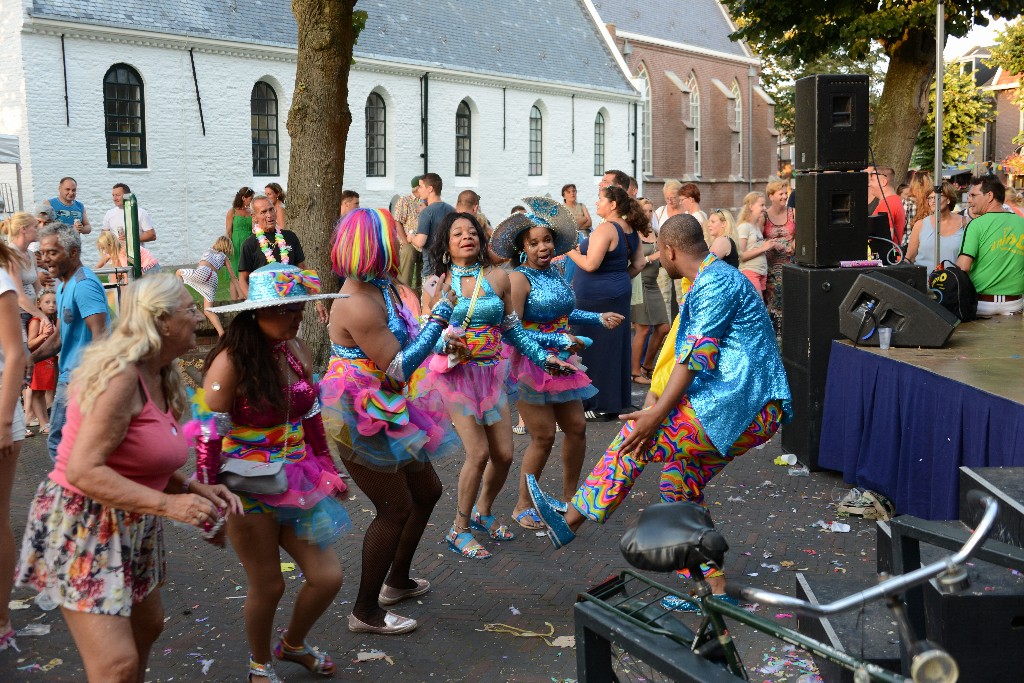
[833, 227]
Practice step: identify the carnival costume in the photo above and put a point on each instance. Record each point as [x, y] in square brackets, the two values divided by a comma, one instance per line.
[378, 414]
[738, 398]
[478, 384]
[290, 433]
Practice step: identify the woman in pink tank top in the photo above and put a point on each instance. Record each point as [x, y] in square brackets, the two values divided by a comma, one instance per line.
[94, 539]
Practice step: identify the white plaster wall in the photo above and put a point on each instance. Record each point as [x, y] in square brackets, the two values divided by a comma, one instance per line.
[191, 178]
[12, 90]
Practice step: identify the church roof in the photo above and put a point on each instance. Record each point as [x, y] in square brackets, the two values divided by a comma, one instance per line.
[554, 41]
[700, 23]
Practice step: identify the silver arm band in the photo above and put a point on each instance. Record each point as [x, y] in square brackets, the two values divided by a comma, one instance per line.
[314, 411]
[222, 423]
[395, 370]
[509, 321]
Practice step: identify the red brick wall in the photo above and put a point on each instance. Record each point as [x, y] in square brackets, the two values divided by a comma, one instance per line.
[720, 183]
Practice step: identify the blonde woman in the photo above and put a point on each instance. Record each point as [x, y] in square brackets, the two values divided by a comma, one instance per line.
[21, 230]
[722, 230]
[204, 277]
[921, 248]
[94, 538]
[12, 426]
[753, 246]
[780, 227]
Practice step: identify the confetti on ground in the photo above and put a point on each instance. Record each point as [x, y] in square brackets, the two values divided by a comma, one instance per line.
[513, 610]
[34, 630]
[834, 527]
[207, 663]
[49, 666]
[789, 664]
[783, 615]
[19, 604]
[287, 567]
[372, 656]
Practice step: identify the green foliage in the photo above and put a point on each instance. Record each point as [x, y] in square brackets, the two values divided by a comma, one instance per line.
[805, 30]
[779, 76]
[965, 112]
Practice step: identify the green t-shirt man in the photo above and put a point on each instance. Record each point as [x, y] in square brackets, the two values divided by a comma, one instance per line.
[995, 241]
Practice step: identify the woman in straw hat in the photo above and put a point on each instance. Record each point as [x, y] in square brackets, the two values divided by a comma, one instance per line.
[387, 432]
[94, 541]
[470, 375]
[547, 306]
[266, 422]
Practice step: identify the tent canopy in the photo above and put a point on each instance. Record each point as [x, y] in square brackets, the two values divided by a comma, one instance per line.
[9, 150]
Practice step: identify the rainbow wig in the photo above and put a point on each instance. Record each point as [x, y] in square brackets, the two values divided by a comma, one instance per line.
[365, 245]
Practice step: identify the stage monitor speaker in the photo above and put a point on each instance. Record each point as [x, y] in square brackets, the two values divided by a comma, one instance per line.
[832, 123]
[878, 301]
[831, 225]
[810, 300]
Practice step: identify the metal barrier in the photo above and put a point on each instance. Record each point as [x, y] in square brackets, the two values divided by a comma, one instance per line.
[115, 282]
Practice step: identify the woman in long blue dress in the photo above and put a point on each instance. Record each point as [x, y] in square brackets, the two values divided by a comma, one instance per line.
[605, 262]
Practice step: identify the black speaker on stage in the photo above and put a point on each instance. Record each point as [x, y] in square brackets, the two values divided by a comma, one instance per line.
[831, 225]
[832, 123]
[878, 301]
[811, 299]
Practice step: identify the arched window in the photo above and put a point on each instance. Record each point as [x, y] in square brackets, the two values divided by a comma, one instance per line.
[599, 144]
[737, 121]
[463, 139]
[695, 122]
[646, 121]
[124, 111]
[737, 102]
[376, 152]
[265, 148]
[536, 142]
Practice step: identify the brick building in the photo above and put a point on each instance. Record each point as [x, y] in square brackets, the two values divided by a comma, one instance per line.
[706, 120]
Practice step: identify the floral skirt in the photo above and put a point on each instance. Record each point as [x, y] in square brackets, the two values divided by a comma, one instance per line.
[90, 557]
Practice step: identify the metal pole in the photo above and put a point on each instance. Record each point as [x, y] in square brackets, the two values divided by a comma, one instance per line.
[940, 40]
[131, 234]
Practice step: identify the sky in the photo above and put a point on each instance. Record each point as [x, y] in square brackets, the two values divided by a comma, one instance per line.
[979, 35]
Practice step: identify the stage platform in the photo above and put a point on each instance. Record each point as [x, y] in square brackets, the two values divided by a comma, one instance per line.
[903, 420]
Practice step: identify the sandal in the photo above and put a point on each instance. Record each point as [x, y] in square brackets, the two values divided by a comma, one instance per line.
[529, 519]
[489, 524]
[262, 671]
[464, 544]
[646, 371]
[519, 429]
[640, 379]
[29, 433]
[322, 664]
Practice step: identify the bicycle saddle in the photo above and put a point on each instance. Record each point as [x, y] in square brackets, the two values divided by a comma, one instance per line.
[671, 536]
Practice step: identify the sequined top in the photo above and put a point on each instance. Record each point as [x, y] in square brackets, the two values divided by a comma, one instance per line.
[726, 337]
[298, 400]
[550, 297]
[398, 325]
[489, 309]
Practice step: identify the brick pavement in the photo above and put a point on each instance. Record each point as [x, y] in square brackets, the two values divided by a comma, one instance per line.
[526, 584]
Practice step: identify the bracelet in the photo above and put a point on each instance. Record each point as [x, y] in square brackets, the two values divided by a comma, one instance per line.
[434, 318]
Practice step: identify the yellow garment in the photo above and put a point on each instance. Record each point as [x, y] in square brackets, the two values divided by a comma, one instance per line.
[666, 362]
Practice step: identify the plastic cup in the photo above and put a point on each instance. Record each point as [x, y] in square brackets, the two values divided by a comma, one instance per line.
[884, 337]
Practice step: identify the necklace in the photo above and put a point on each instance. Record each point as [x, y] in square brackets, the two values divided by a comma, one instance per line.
[268, 252]
[466, 271]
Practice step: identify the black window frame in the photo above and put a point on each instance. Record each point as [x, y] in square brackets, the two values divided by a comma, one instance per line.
[263, 124]
[536, 141]
[124, 117]
[599, 144]
[463, 140]
[376, 136]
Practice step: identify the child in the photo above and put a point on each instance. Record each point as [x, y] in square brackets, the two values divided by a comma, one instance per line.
[203, 278]
[44, 376]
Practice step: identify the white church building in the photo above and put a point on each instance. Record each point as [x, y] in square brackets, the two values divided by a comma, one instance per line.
[187, 101]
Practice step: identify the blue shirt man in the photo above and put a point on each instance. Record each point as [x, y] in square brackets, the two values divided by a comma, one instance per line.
[67, 209]
[82, 315]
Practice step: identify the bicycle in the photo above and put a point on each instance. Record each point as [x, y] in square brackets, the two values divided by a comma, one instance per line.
[625, 610]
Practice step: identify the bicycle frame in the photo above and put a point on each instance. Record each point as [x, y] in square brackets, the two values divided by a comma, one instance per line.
[643, 612]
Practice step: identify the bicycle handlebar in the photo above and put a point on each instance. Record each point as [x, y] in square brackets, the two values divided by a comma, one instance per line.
[888, 588]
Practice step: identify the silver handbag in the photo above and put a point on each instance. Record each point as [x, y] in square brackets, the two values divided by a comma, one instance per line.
[250, 476]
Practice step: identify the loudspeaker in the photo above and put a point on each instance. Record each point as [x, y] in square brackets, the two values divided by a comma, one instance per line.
[832, 123]
[810, 301]
[878, 301]
[831, 225]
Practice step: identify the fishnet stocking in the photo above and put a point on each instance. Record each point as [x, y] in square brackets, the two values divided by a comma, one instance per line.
[404, 501]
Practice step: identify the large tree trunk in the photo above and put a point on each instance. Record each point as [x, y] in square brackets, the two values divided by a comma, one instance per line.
[904, 102]
[318, 123]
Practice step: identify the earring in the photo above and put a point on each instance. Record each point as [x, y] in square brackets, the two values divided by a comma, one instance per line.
[522, 257]
[445, 258]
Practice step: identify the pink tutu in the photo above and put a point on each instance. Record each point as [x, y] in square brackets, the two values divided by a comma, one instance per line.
[379, 423]
[537, 387]
[477, 389]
